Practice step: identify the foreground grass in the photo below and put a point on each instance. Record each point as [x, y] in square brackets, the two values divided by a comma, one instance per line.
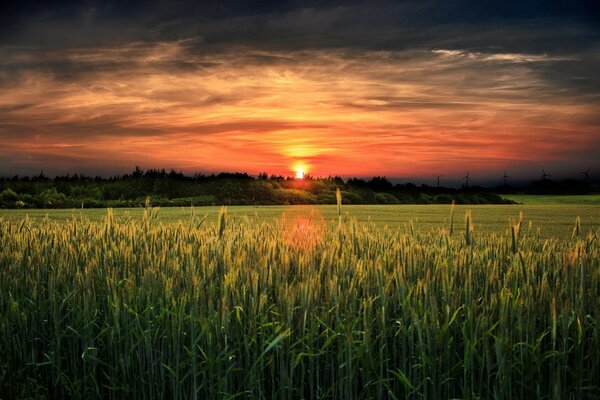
[301, 308]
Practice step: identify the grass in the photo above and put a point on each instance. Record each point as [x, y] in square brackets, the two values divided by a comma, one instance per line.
[301, 303]
[551, 220]
[590, 199]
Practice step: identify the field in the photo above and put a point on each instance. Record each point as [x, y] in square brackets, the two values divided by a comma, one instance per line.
[552, 220]
[590, 199]
[415, 302]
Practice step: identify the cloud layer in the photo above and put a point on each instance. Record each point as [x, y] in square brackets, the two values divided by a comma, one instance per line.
[352, 90]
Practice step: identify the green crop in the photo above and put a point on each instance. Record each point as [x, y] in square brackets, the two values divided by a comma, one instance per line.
[304, 307]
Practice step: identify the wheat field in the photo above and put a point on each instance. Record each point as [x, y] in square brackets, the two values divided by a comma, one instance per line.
[304, 307]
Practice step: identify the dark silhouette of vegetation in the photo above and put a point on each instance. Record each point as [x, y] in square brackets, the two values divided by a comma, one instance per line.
[176, 189]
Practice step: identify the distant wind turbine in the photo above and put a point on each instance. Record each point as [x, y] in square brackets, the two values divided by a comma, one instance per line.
[545, 175]
[505, 178]
[586, 174]
[467, 179]
[437, 178]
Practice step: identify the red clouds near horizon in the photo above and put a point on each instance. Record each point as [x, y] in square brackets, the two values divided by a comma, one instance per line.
[398, 113]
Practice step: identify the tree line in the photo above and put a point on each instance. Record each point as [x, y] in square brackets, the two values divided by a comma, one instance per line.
[176, 189]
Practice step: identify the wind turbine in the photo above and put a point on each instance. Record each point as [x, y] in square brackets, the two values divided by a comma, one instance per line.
[467, 179]
[505, 178]
[544, 175]
[437, 178]
[587, 174]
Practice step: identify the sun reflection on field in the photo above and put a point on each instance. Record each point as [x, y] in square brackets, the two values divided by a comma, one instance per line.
[302, 227]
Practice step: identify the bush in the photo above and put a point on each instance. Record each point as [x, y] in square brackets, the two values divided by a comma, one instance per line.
[8, 195]
[51, 198]
[294, 196]
[385, 198]
[443, 199]
[425, 199]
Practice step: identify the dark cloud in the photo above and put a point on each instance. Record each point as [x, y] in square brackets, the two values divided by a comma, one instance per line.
[288, 77]
[390, 24]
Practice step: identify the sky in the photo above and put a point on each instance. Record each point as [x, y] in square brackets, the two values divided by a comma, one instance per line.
[403, 89]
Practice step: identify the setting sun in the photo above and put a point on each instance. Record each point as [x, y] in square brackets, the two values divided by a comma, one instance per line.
[300, 173]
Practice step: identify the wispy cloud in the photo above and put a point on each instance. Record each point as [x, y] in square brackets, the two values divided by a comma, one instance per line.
[262, 90]
[500, 57]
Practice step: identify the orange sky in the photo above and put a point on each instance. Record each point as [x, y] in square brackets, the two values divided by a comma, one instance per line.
[408, 113]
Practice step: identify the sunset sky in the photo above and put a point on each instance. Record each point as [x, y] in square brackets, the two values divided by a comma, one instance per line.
[405, 89]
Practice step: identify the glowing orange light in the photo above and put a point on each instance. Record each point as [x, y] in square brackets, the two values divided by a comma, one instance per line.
[300, 173]
[302, 227]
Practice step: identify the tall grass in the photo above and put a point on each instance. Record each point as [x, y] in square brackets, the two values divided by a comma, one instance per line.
[233, 308]
[452, 207]
[515, 231]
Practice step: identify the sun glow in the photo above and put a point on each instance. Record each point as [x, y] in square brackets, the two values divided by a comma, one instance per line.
[293, 114]
[299, 169]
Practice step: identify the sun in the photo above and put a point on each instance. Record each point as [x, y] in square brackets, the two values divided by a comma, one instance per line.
[299, 169]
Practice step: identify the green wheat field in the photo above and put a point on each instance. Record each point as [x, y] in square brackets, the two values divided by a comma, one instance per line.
[328, 302]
